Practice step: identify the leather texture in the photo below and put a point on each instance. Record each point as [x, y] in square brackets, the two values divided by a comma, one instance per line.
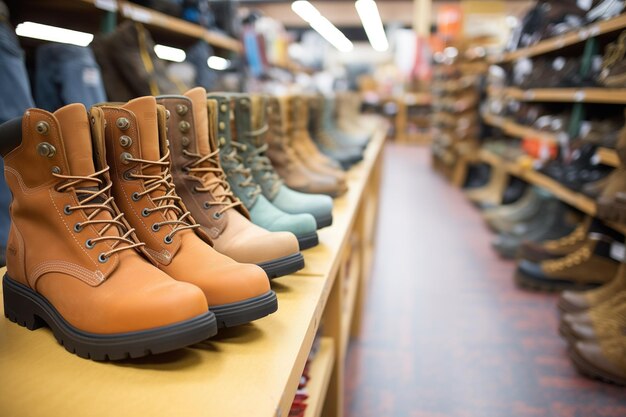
[144, 190]
[69, 242]
[201, 183]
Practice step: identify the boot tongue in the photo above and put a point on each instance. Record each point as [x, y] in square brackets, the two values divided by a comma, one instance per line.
[76, 132]
[200, 119]
[145, 111]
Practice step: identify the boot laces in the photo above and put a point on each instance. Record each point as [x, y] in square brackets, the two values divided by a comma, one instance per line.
[169, 203]
[238, 168]
[259, 162]
[579, 234]
[575, 258]
[207, 169]
[93, 201]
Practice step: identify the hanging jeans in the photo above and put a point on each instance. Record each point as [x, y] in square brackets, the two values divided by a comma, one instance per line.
[14, 100]
[67, 74]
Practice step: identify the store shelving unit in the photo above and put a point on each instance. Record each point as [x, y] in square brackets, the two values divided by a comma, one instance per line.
[565, 95]
[559, 42]
[517, 130]
[252, 370]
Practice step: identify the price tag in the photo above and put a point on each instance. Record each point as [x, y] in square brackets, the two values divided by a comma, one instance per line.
[108, 5]
[579, 96]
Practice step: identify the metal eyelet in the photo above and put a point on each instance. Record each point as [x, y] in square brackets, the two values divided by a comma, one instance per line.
[145, 212]
[56, 169]
[167, 239]
[67, 210]
[102, 259]
[181, 109]
[125, 141]
[185, 141]
[125, 156]
[206, 205]
[128, 175]
[89, 244]
[46, 149]
[156, 227]
[222, 141]
[135, 196]
[217, 215]
[78, 227]
[42, 127]
[167, 114]
[184, 126]
[122, 123]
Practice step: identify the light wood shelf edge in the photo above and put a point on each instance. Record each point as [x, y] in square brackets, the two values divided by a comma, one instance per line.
[320, 371]
[608, 157]
[568, 39]
[517, 130]
[564, 95]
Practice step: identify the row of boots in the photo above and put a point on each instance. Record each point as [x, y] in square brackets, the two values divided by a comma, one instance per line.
[143, 227]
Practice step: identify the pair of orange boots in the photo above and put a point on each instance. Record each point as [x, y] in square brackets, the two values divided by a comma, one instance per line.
[101, 249]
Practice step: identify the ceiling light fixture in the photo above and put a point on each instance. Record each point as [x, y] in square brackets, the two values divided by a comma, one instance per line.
[321, 25]
[218, 63]
[170, 54]
[373, 25]
[53, 34]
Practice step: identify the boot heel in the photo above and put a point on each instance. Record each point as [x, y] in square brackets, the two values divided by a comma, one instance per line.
[18, 307]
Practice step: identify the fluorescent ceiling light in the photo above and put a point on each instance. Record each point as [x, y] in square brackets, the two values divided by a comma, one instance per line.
[53, 34]
[321, 25]
[169, 53]
[218, 63]
[368, 12]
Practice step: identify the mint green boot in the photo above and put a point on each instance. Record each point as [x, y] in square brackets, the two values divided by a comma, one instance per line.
[232, 155]
[290, 201]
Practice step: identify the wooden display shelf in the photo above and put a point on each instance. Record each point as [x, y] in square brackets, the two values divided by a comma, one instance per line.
[567, 39]
[517, 130]
[156, 19]
[319, 375]
[251, 370]
[608, 157]
[566, 95]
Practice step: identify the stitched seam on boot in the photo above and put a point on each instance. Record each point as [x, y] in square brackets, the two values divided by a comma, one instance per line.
[90, 277]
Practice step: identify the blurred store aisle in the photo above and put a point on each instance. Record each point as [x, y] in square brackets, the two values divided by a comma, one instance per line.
[446, 332]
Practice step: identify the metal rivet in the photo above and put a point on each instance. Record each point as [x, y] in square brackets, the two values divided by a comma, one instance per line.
[78, 227]
[167, 114]
[46, 149]
[124, 157]
[222, 125]
[184, 126]
[56, 169]
[135, 196]
[223, 108]
[185, 141]
[181, 109]
[122, 123]
[217, 215]
[67, 210]
[222, 140]
[42, 128]
[125, 141]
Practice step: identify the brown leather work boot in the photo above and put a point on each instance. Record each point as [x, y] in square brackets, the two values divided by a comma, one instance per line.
[574, 302]
[296, 174]
[604, 359]
[557, 248]
[603, 321]
[201, 183]
[136, 146]
[73, 263]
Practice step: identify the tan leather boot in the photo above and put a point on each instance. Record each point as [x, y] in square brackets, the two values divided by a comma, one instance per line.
[603, 359]
[296, 174]
[139, 159]
[303, 145]
[201, 183]
[72, 260]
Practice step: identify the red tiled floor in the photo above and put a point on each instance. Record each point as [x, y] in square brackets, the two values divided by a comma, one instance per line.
[446, 332]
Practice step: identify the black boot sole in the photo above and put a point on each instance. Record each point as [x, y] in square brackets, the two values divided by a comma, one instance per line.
[242, 312]
[29, 309]
[323, 221]
[283, 266]
[308, 241]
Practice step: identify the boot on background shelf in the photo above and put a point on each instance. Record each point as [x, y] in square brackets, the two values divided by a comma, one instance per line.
[134, 137]
[603, 321]
[492, 192]
[322, 118]
[503, 218]
[292, 169]
[286, 199]
[588, 266]
[73, 262]
[349, 117]
[234, 122]
[611, 203]
[201, 183]
[555, 248]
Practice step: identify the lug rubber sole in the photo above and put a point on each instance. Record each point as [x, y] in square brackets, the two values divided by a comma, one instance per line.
[324, 221]
[242, 312]
[552, 285]
[29, 309]
[283, 266]
[588, 369]
[308, 241]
